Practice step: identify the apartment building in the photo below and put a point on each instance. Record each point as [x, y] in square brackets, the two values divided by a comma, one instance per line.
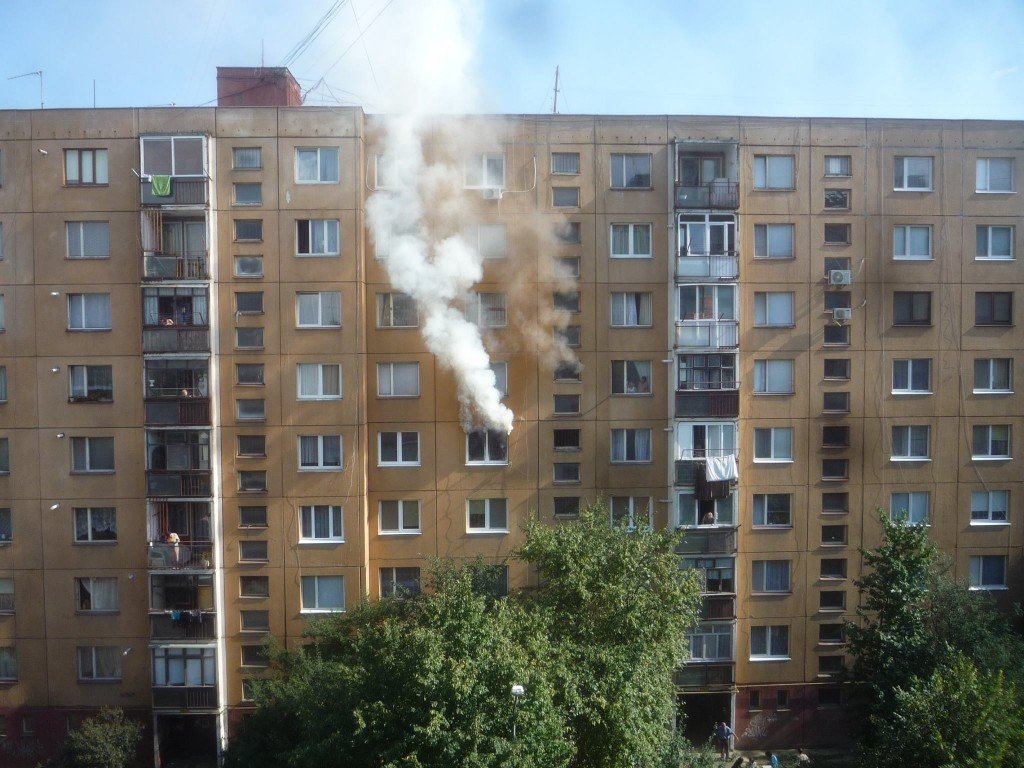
[218, 417]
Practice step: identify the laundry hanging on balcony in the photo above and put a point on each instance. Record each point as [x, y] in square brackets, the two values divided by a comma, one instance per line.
[721, 468]
[161, 186]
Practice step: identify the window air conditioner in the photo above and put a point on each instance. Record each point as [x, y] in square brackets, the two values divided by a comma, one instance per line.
[840, 277]
[842, 314]
[492, 193]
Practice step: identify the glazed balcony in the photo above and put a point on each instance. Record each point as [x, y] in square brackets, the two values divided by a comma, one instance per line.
[178, 411]
[707, 175]
[718, 607]
[718, 194]
[705, 676]
[713, 266]
[185, 555]
[176, 338]
[701, 403]
[707, 541]
[183, 625]
[159, 266]
[185, 697]
[707, 334]
[187, 484]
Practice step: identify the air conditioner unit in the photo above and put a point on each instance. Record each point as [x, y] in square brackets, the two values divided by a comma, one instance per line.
[842, 314]
[840, 277]
[492, 193]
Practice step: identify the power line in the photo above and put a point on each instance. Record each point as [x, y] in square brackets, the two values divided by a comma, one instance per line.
[310, 37]
[358, 38]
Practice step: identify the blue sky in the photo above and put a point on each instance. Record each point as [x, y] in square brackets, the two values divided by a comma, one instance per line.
[904, 58]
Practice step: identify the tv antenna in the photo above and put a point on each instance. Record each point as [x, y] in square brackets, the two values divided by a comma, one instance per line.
[554, 109]
[38, 72]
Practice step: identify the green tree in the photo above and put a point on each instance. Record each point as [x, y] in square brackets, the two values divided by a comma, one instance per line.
[108, 740]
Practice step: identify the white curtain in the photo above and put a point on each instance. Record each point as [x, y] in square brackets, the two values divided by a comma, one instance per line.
[776, 575]
[308, 451]
[330, 308]
[406, 378]
[104, 594]
[620, 239]
[642, 239]
[309, 380]
[331, 450]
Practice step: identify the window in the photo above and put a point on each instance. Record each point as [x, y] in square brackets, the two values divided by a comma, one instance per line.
[398, 448]
[8, 663]
[570, 267]
[773, 309]
[771, 642]
[711, 642]
[254, 656]
[770, 575]
[993, 375]
[252, 445]
[253, 586]
[774, 172]
[323, 593]
[565, 163]
[486, 170]
[990, 507]
[567, 371]
[249, 302]
[702, 440]
[88, 239]
[773, 444]
[248, 266]
[5, 456]
[95, 594]
[99, 662]
[399, 516]
[910, 443]
[835, 436]
[92, 454]
[833, 535]
[773, 241]
[631, 171]
[317, 237]
[773, 510]
[91, 383]
[248, 192]
[486, 447]
[912, 243]
[319, 381]
[835, 335]
[487, 515]
[836, 262]
[782, 699]
[988, 572]
[319, 452]
[95, 524]
[994, 242]
[88, 311]
[566, 439]
[838, 165]
[565, 197]
[566, 404]
[318, 310]
[173, 156]
[830, 634]
[252, 552]
[692, 511]
[631, 377]
[252, 481]
[321, 522]
[837, 300]
[994, 174]
[835, 402]
[912, 376]
[566, 472]
[631, 310]
[490, 239]
[252, 516]
[837, 199]
[631, 241]
[248, 230]
[912, 308]
[487, 309]
[773, 377]
[566, 506]
[500, 371]
[566, 301]
[837, 234]
[250, 409]
[631, 512]
[569, 233]
[993, 308]
[837, 368]
[630, 445]
[910, 507]
[829, 697]
[246, 158]
[254, 621]
[991, 441]
[707, 302]
[569, 335]
[85, 167]
[316, 165]
[706, 372]
[398, 379]
[912, 174]
[754, 700]
[396, 310]
[835, 469]
[249, 338]
[399, 582]
[7, 595]
[6, 529]
[835, 503]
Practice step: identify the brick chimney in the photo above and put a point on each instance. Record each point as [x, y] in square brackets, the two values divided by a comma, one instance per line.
[257, 87]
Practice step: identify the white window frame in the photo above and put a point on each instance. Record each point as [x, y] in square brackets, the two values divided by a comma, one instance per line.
[325, 225]
[711, 643]
[976, 573]
[83, 394]
[620, 386]
[910, 433]
[917, 507]
[763, 171]
[770, 642]
[845, 163]
[322, 165]
[983, 176]
[403, 529]
[320, 309]
[905, 231]
[762, 566]
[81, 255]
[83, 299]
[388, 575]
[88, 455]
[90, 657]
[316, 590]
[634, 516]
[389, 369]
[491, 246]
[320, 442]
[623, 297]
[620, 438]
[759, 510]
[770, 248]
[775, 457]
[688, 509]
[990, 508]
[485, 182]
[990, 389]
[909, 364]
[174, 141]
[633, 251]
[485, 307]
[489, 525]
[88, 512]
[901, 166]
[500, 370]
[617, 166]
[487, 460]
[117, 594]
[321, 368]
[988, 230]
[762, 377]
[401, 461]
[991, 456]
[765, 301]
[240, 259]
[334, 534]
[386, 311]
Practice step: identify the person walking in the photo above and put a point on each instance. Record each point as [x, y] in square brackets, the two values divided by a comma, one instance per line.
[773, 759]
[723, 733]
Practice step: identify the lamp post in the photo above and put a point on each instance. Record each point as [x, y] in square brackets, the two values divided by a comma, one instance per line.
[517, 693]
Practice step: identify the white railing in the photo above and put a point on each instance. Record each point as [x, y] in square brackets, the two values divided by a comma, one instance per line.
[717, 266]
[707, 334]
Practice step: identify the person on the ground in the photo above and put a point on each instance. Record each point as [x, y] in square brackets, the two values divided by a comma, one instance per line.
[802, 758]
[738, 763]
[723, 733]
[773, 759]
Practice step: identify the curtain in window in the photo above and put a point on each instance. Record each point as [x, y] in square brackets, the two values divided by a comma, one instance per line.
[331, 592]
[9, 663]
[331, 375]
[309, 308]
[405, 379]
[307, 165]
[81, 525]
[331, 450]
[780, 240]
[173, 240]
[620, 239]
[776, 576]
[330, 308]
[104, 594]
[641, 239]
[107, 661]
[309, 380]
[104, 523]
[101, 378]
[308, 451]
[318, 230]
[96, 309]
[780, 172]
[835, 165]
[565, 162]
[642, 444]
[247, 157]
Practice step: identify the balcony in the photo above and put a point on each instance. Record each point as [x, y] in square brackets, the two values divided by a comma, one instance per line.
[706, 541]
[698, 403]
[170, 267]
[719, 194]
[187, 190]
[718, 607]
[184, 555]
[707, 334]
[185, 697]
[185, 484]
[184, 411]
[176, 338]
[183, 625]
[705, 676]
[714, 266]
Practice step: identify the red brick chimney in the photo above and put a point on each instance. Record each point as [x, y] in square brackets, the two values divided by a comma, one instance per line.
[257, 87]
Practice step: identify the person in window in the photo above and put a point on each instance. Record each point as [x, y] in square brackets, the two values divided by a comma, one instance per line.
[708, 519]
[174, 542]
[643, 386]
[168, 321]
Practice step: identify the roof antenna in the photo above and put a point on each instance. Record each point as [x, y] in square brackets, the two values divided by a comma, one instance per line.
[554, 109]
[38, 72]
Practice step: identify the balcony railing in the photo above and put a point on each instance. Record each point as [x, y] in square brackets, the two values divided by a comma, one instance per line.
[176, 339]
[164, 267]
[715, 607]
[193, 411]
[185, 697]
[705, 676]
[189, 555]
[698, 403]
[184, 191]
[187, 483]
[183, 625]
[707, 541]
[718, 194]
[707, 334]
[716, 266]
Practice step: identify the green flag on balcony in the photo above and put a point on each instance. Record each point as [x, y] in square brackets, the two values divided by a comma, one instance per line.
[161, 186]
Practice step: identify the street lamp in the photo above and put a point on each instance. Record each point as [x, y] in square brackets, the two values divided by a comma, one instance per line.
[517, 693]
